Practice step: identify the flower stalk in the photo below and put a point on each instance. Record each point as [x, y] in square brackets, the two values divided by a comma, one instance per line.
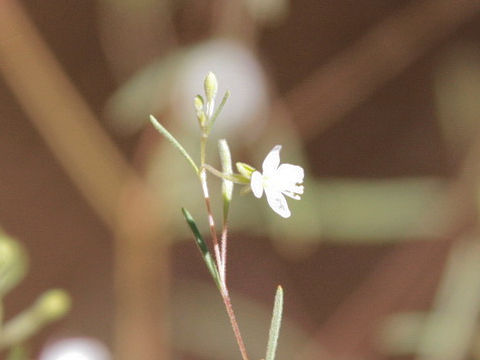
[276, 180]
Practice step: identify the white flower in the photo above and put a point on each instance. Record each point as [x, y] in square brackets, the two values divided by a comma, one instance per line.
[278, 181]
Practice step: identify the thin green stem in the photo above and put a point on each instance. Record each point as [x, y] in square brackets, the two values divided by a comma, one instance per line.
[211, 121]
[202, 173]
[236, 178]
[211, 223]
[224, 290]
[203, 148]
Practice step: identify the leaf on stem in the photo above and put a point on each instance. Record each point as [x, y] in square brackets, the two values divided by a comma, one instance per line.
[275, 325]
[173, 141]
[202, 246]
[219, 110]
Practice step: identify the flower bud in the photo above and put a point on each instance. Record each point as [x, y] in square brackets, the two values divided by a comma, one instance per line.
[211, 86]
[202, 119]
[227, 185]
[198, 103]
[53, 304]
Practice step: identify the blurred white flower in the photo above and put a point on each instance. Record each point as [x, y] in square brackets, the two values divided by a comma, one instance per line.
[76, 349]
[278, 180]
[237, 70]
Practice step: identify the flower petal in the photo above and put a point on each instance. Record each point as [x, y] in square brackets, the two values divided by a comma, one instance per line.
[272, 160]
[294, 194]
[292, 174]
[256, 184]
[277, 202]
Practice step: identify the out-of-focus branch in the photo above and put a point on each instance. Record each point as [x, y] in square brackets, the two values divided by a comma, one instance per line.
[333, 91]
[65, 121]
[402, 276]
[380, 55]
[97, 168]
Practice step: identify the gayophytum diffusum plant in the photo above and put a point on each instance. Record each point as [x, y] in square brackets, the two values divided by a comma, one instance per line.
[275, 179]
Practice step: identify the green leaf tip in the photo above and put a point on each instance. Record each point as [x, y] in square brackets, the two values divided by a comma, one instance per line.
[219, 110]
[275, 325]
[202, 246]
[156, 124]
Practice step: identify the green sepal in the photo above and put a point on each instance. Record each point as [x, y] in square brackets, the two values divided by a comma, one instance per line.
[245, 169]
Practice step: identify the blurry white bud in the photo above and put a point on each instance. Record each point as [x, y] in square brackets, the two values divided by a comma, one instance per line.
[238, 70]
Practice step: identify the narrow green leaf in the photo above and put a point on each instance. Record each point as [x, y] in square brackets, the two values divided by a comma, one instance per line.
[275, 325]
[202, 246]
[219, 110]
[173, 141]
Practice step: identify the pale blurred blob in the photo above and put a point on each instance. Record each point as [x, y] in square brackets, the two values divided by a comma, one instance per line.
[268, 11]
[172, 82]
[76, 349]
[238, 71]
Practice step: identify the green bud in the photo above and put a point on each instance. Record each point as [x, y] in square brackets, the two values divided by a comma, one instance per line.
[53, 304]
[227, 185]
[245, 169]
[211, 86]
[198, 103]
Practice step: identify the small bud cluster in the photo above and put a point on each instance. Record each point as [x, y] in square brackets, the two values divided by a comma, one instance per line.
[204, 110]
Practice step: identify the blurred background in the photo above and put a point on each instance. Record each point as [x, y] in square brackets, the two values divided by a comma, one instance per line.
[377, 100]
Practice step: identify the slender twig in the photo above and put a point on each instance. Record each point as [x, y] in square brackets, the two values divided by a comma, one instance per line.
[211, 223]
[236, 329]
[223, 291]
[218, 256]
[235, 178]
